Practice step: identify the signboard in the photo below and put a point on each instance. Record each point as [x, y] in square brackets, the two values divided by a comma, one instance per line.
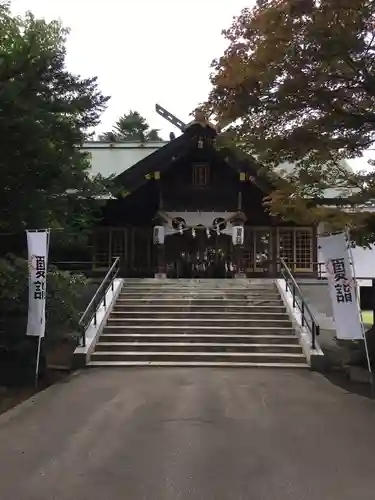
[342, 287]
[37, 244]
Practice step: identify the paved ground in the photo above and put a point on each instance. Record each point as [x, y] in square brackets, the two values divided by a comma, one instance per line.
[190, 434]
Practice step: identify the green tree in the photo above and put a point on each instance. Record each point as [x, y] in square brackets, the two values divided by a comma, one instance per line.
[131, 127]
[108, 137]
[46, 113]
[298, 82]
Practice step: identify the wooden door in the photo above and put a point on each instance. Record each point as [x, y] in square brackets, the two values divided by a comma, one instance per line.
[257, 253]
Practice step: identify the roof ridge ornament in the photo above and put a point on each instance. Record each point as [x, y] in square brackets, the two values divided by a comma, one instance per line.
[200, 118]
[170, 117]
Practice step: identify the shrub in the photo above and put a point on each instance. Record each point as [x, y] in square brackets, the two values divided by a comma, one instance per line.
[63, 308]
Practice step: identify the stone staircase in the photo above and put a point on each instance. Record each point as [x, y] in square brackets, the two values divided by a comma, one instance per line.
[199, 323]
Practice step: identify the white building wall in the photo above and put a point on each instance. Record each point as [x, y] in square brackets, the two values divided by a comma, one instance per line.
[363, 261]
[364, 264]
[288, 168]
[113, 158]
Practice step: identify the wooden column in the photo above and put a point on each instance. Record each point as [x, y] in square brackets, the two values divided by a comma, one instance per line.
[314, 243]
[161, 271]
[161, 268]
[238, 256]
[274, 268]
[239, 220]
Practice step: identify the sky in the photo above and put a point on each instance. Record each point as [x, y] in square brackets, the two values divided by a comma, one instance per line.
[143, 51]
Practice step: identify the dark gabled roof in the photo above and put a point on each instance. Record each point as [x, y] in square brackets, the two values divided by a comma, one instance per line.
[163, 159]
[243, 163]
[135, 176]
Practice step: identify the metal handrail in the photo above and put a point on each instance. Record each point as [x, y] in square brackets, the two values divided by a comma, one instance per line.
[292, 285]
[320, 266]
[98, 299]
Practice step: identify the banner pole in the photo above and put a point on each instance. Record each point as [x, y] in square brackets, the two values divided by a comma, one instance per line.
[47, 231]
[37, 362]
[360, 312]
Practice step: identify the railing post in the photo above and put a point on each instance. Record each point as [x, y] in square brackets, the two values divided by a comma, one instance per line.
[294, 296]
[313, 335]
[95, 308]
[82, 336]
[302, 313]
[115, 271]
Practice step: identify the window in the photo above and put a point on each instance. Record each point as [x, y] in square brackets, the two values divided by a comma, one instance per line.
[296, 247]
[201, 174]
[304, 257]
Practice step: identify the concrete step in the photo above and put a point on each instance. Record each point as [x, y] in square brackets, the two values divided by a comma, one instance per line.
[254, 357]
[210, 294]
[211, 302]
[198, 337]
[193, 307]
[199, 329]
[194, 364]
[178, 347]
[197, 289]
[124, 313]
[202, 281]
[194, 323]
[201, 285]
[223, 322]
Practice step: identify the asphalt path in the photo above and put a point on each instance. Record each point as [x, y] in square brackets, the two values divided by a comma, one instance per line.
[190, 434]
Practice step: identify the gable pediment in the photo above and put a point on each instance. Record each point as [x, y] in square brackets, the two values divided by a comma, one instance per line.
[196, 146]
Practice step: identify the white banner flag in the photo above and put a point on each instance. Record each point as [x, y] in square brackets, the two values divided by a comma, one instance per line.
[342, 287]
[37, 244]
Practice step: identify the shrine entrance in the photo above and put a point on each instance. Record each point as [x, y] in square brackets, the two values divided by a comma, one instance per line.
[206, 256]
[199, 255]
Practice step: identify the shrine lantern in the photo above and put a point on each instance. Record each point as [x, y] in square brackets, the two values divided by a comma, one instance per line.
[237, 235]
[159, 235]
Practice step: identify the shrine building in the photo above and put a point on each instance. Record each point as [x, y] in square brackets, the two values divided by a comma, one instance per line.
[188, 209]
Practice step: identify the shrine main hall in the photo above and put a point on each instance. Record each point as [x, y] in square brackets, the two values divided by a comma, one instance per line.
[188, 209]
